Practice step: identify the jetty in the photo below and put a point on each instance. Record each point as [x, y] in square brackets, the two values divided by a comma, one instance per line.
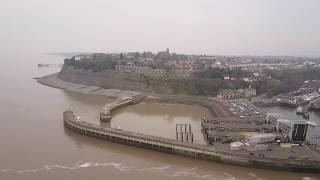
[193, 150]
[105, 114]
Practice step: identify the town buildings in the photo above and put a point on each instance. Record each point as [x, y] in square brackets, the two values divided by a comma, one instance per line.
[148, 71]
[164, 54]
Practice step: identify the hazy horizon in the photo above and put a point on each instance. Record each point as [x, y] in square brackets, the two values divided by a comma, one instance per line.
[229, 27]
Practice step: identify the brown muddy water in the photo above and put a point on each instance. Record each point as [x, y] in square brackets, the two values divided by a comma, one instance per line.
[34, 144]
[160, 119]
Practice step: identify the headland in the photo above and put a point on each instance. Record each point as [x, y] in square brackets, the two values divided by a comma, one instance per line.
[237, 133]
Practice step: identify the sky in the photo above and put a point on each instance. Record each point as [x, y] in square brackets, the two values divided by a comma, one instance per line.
[224, 27]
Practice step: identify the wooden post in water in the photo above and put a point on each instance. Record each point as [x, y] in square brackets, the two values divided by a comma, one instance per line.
[184, 133]
[192, 138]
[187, 137]
[182, 137]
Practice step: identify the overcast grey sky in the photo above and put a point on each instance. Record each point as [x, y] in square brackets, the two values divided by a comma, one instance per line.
[229, 27]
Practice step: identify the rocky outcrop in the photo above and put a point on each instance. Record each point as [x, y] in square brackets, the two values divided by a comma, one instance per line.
[108, 79]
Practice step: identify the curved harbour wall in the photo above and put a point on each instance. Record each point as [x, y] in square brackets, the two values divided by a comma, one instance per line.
[105, 114]
[186, 149]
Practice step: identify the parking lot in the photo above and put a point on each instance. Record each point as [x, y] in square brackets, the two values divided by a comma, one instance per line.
[241, 108]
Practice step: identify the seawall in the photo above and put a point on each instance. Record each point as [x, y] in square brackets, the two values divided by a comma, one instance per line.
[105, 114]
[52, 80]
[186, 149]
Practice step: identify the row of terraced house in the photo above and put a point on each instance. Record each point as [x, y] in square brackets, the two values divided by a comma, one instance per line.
[148, 71]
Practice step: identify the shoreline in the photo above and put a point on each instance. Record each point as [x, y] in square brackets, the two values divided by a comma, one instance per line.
[195, 151]
[192, 150]
[53, 81]
[212, 104]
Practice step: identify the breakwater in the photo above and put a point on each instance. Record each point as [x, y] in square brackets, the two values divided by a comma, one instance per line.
[105, 114]
[186, 149]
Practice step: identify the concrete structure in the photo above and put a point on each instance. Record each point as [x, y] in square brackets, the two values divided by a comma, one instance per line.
[261, 138]
[312, 86]
[259, 142]
[255, 147]
[296, 131]
[302, 96]
[105, 114]
[272, 118]
[186, 149]
[53, 81]
[286, 99]
[310, 96]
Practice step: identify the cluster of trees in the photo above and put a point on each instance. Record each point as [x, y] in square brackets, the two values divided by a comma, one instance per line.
[212, 73]
[201, 86]
[194, 86]
[286, 80]
[209, 81]
[209, 73]
[270, 87]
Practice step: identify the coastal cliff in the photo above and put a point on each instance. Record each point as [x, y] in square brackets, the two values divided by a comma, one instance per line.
[108, 79]
[96, 73]
[112, 79]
